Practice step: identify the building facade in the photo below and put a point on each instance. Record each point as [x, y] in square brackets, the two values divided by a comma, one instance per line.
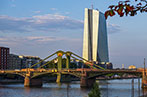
[4, 53]
[14, 62]
[28, 61]
[95, 43]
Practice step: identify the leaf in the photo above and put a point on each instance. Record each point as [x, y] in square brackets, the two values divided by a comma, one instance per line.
[107, 14]
[127, 1]
[129, 8]
[139, 4]
[133, 13]
[112, 13]
[121, 15]
[126, 12]
[116, 8]
[120, 2]
[111, 6]
[120, 10]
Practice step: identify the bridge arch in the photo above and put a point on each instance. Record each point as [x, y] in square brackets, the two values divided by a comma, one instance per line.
[54, 73]
[43, 74]
[113, 73]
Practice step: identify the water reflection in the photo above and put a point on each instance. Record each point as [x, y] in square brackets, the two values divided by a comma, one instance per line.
[132, 88]
[138, 86]
[27, 90]
[121, 88]
[111, 88]
[144, 92]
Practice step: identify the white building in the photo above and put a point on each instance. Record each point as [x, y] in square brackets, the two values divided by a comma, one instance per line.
[95, 45]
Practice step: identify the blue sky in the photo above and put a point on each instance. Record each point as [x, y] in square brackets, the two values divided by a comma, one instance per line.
[41, 27]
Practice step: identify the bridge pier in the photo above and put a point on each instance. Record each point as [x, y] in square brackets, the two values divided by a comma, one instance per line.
[59, 65]
[29, 82]
[58, 80]
[86, 82]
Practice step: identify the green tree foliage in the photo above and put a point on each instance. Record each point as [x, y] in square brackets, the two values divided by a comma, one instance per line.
[95, 92]
[127, 7]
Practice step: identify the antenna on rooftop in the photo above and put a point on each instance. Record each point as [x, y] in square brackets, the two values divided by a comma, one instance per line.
[92, 4]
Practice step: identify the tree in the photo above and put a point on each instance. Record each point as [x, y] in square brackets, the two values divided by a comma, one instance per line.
[95, 92]
[125, 8]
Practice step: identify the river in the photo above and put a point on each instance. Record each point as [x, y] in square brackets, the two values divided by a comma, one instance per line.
[110, 88]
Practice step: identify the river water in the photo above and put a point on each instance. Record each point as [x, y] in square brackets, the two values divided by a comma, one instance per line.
[110, 88]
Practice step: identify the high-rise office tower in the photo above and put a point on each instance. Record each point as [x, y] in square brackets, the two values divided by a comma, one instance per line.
[95, 45]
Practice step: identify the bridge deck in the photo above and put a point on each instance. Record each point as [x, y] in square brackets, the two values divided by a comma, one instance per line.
[70, 70]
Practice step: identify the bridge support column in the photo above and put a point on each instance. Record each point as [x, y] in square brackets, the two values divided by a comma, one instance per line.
[68, 54]
[144, 79]
[58, 80]
[86, 82]
[60, 54]
[28, 82]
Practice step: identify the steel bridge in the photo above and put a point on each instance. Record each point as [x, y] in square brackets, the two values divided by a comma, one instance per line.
[32, 77]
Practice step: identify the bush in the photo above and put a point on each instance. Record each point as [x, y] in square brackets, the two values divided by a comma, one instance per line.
[95, 91]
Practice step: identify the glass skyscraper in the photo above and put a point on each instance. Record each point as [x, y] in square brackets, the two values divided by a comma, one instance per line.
[95, 43]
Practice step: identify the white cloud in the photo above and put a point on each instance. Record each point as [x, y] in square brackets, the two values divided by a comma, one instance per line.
[40, 19]
[39, 23]
[37, 11]
[113, 28]
[40, 45]
[33, 40]
[67, 12]
[45, 23]
[41, 38]
[53, 9]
